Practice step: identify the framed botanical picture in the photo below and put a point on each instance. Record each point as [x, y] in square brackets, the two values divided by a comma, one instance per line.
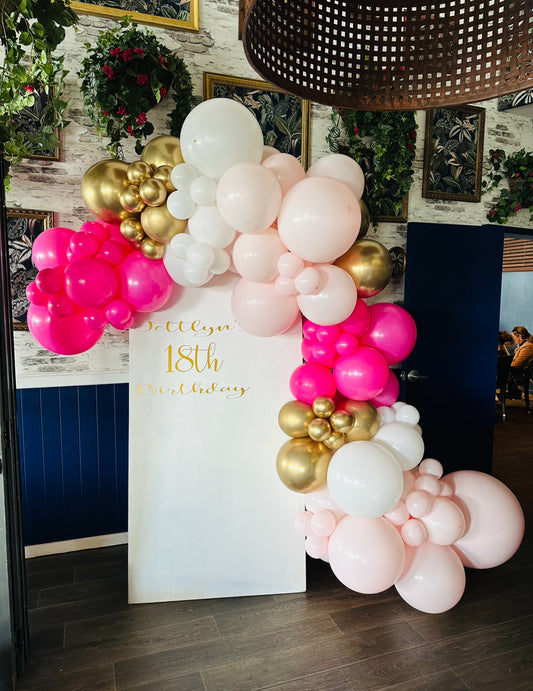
[284, 119]
[453, 150]
[170, 14]
[23, 226]
[32, 120]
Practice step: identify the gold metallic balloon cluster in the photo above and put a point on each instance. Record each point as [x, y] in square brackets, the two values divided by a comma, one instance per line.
[317, 431]
[134, 195]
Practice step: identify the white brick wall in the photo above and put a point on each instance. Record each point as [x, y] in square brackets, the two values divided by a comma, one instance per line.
[215, 48]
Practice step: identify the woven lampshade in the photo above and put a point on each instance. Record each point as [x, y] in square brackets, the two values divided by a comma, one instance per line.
[391, 54]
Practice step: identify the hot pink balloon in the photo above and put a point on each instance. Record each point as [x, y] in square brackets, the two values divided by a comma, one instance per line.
[392, 331]
[50, 248]
[287, 169]
[433, 580]
[95, 318]
[97, 228]
[50, 281]
[366, 554]
[311, 380]
[36, 296]
[335, 299]
[363, 375]
[390, 393]
[112, 252]
[60, 305]
[63, 335]
[84, 244]
[261, 310]
[119, 314]
[90, 282]
[359, 320]
[319, 219]
[494, 519]
[144, 283]
[324, 353]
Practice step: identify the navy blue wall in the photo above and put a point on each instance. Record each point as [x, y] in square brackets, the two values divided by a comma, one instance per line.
[74, 461]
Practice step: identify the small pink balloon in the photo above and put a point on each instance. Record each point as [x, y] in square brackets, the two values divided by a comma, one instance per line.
[60, 305]
[359, 320]
[118, 313]
[63, 335]
[261, 310]
[347, 344]
[310, 380]
[144, 283]
[392, 331]
[309, 329]
[335, 299]
[363, 375]
[50, 281]
[399, 514]
[419, 503]
[323, 523]
[414, 532]
[324, 353]
[429, 483]
[316, 546]
[84, 244]
[112, 252]
[327, 334]
[36, 296]
[97, 228]
[290, 265]
[390, 393]
[321, 501]
[445, 523]
[287, 169]
[302, 522]
[90, 282]
[50, 248]
[94, 318]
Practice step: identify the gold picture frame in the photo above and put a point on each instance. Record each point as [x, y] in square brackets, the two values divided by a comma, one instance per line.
[23, 226]
[116, 9]
[289, 130]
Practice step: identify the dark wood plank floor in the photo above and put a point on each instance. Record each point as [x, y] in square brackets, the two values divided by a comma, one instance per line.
[85, 636]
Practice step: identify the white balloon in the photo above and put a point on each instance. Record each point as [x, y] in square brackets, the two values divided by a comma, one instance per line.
[364, 479]
[385, 414]
[341, 168]
[179, 244]
[203, 190]
[196, 277]
[182, 175]
[218, 134]
[404, 441]
[207, 225]
[180, 205]
[221, 263]
[200, 255]
[335, 300]
[407, 413]
[176, 268]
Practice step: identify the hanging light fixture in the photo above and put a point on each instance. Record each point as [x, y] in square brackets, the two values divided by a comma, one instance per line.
[391, 54]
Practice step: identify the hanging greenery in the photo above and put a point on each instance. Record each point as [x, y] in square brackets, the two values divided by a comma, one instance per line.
[517, 169]
[384, 145]
[126, 74]
[30, 32]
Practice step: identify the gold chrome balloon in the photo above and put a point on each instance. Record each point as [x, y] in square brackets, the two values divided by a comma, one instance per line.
[334, 441]
[163, 173]
[323, 406]
[160, 225]
[370, 266]
[162, 151]
[366, 422]
[101, 186]
[130, 199]
[302, 464]
[365, 220]
[294, 417]
[319, 429]
[139, 171]
[341, 421]
[132, 229]
[152, 249]
[153, 192]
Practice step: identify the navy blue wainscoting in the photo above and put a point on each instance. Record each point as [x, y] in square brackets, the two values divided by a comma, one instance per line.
[74, 461]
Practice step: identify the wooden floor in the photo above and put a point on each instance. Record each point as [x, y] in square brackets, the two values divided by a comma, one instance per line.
[85, 636]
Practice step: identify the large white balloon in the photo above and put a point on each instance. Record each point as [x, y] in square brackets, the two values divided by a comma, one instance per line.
[207, 225]
[335, 299]
[183, 273]
[404, 440]
[218, 134]
[341, 168]
[256, 256]
[364, 479]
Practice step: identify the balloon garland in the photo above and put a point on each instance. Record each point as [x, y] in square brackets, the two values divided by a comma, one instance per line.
[216, 200]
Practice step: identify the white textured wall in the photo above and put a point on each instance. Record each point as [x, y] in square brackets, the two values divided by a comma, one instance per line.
[215, 48]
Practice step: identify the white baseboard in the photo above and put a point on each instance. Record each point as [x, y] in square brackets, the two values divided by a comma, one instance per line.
[31, 551]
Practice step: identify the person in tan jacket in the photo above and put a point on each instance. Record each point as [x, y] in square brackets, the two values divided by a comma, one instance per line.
[522, 359]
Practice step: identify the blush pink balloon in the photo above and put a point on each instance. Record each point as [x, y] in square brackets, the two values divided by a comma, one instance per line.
[392, 331]
[63, 335]
[359, 320]
[90, 282]
[366, 554]
[433, 580]
[390, 393]
[310, 380]
[287, 169]
[319, 219]
[363, 375]
[256, 256]
[49, 249]
[494, 519]
[261, 310]
[342, 168]
[445, 523]
[144, 283]
[335, 299]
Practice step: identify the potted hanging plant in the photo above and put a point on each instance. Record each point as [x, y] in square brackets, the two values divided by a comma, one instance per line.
[517, 170]
[384, 145]
[126, 74]
[30, 32]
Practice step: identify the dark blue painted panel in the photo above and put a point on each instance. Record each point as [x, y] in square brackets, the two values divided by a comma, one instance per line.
[74, 457]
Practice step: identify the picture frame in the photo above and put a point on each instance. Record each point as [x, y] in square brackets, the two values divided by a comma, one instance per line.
[31, 120]
[284, 118]
[23, 227]
[453, 151]
[170, 14]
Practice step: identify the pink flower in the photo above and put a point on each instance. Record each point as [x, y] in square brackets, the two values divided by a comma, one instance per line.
[141, 119]
[139, 51]
[517, 207]
[104, 112]
[131, 131]
[356, 131]
[114, 52]
[29, 87]
[161, 59]
[108, 71]
[412, 134]
[127, 55]
[163, 92]
[492, 212]
[122, 111]
[516, 175]
[142, 79]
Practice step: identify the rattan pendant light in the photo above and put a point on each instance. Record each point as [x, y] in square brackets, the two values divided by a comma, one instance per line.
[391, 54]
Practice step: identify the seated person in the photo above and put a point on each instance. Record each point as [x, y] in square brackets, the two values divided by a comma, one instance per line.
[522, 359]
[504, 337]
